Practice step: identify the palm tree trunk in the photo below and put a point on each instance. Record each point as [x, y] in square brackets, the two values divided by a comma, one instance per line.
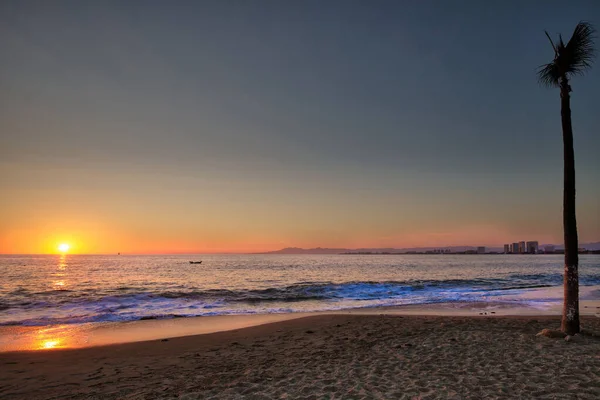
[570, 317]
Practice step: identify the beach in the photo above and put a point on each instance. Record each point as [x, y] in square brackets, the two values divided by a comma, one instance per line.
[312, 327]
[334, 356]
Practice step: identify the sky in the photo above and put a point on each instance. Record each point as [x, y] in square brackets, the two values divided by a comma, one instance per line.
[242, 126]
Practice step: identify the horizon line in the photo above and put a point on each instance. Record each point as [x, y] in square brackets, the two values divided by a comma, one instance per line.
[256, 252]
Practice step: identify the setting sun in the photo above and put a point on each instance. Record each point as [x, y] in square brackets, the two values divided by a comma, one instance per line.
[63, 247]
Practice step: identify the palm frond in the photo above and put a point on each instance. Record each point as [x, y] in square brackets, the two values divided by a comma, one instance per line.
[573, 58]
[580, 51]
[551, 42]
[549, 75]
[561, 44]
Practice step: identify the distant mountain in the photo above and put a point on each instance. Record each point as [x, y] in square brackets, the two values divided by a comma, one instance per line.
[298, 250]
[321, 250]
[588, 246]
[591, 246]
[453, 249]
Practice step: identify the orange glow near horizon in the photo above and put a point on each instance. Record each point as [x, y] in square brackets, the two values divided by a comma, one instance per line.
[196, 243]
[89, 236]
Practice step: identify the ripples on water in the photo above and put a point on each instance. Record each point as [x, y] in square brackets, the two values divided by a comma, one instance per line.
[45, 290]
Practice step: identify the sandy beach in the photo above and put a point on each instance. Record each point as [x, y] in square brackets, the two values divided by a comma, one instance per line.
[377, 356]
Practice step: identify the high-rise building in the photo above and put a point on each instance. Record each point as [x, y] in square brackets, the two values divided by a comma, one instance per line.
[514, 248]
[506, 248]
[481, 250]
[522, 248]
[532, 247]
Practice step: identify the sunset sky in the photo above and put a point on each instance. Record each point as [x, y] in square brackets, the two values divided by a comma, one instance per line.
[236, 126]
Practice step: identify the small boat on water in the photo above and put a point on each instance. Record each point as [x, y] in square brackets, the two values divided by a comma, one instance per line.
[195, 262]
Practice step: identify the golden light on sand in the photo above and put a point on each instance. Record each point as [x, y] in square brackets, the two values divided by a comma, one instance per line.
[50, 344]
[63, 247]
[48, 338]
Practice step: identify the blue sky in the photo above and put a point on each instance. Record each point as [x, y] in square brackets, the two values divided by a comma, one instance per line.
[297, 123]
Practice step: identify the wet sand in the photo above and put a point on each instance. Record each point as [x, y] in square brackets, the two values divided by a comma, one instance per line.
[69, 336]
[348, 356]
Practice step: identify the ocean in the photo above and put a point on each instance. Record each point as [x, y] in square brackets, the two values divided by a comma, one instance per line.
[70, 289]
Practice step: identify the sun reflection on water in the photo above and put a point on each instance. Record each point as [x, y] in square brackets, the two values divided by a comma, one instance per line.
[60, 283]
[62, 262]
[52, 337]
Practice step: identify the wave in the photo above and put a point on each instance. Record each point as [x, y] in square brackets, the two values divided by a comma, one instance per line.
[133, 303]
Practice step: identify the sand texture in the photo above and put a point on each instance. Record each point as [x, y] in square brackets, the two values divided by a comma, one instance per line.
[325, 357]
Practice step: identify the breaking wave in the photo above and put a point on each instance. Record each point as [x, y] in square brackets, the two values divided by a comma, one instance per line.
[127, 303]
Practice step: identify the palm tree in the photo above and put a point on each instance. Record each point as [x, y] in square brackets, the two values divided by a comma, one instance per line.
[571, 59]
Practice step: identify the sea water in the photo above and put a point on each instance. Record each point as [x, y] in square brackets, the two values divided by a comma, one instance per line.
[52, 289]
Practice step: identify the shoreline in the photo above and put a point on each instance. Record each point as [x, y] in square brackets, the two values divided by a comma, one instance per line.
[325, 356]
[17, 338]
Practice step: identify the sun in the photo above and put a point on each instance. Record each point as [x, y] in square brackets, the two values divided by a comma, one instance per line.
[63, 247]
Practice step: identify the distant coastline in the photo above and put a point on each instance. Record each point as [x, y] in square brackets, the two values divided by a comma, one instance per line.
[469, 252]
[585, 248]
